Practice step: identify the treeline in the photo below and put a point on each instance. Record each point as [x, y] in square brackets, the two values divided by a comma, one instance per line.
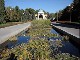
[16, 14]
[9, 14]
[71, 12]
[2, 11]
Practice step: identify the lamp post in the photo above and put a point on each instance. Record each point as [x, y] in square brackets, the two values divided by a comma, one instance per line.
[57, 16]
[10, 14]
[22, 16]
[71, 8]
[70, 17]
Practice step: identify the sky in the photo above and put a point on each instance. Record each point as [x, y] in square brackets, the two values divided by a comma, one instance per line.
[50, 6]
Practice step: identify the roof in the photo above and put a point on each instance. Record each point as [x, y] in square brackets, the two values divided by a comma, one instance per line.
[41, 11]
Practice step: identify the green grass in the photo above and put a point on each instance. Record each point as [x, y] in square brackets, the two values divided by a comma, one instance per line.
[9, 24]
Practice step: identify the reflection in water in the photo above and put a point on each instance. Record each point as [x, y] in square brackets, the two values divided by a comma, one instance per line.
[20, 39]
[53, 31]
[11, 44]
[23, 39]
[55, 38]
[67, 46]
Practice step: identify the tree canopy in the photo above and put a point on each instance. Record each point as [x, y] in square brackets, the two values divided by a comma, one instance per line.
[2, 11]
[70, 12]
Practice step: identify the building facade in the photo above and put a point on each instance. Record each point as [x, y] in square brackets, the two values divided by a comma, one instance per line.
[41, 15]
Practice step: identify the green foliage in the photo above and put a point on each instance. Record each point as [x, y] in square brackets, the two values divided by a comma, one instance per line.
[30, 10]
[9, 24]
[65, 56]
[35, 49]
[70, 12]
[36, 11]
[2, 11]
[12, 14]
[17, 9]
[52, 15]
[40, 49]
[15, 14]
[41, 24]
[31, 13]
[76, 11]
[40, 28]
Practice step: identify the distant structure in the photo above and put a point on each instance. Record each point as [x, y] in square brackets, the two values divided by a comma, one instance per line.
[41, 15]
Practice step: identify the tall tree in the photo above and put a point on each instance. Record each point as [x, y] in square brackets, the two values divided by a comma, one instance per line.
[36, 11]
[65, 14]
[8, 17]
[50, 15]
[2, 10]
[13, 14]
[17, 13]
[31, 13]
[76, 11]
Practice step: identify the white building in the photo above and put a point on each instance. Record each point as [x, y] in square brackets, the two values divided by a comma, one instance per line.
[41, 15]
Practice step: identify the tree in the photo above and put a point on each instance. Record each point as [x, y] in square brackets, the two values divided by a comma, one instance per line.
[50, 15]
[17, 9]
[65, 14]
[21, 15]
[71, 12]
[2, 11]
[26, 15]
[8, 14]
[17, 13]
[76, 11]
[36, 11]
[31, 13]
[13, 14]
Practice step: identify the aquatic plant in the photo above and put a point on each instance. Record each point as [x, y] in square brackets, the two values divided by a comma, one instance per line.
[38, 47]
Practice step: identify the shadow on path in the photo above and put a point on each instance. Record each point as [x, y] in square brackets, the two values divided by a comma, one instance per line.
[76, 26]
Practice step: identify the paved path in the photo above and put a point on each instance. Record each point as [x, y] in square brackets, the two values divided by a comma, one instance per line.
[7, 32]
[72, 31]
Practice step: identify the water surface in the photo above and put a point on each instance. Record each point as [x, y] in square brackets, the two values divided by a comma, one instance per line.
[20, 40]
[67, 46]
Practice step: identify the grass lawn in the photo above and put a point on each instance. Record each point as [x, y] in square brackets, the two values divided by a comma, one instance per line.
[9, 24]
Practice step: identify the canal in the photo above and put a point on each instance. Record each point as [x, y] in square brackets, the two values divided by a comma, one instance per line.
[66, 46]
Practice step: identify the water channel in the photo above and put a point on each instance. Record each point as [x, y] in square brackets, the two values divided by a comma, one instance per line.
[66, 48]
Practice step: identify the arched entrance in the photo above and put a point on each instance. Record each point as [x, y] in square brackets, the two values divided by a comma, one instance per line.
[40, 16]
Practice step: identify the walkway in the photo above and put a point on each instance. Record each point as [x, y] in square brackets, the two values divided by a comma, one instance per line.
[7, 32]
[68, 29]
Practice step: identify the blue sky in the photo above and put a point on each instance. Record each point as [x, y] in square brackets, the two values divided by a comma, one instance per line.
[51, 6]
